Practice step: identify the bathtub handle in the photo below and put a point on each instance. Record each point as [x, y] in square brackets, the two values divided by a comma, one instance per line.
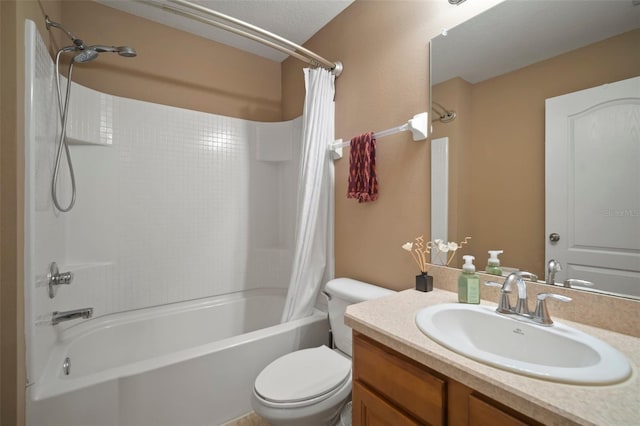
[57, 278]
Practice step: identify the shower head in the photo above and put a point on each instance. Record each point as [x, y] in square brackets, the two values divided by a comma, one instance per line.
[88, 53]
[126, 51]
[85, 55]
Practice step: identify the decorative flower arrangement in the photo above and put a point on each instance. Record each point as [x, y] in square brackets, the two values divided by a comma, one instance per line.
[419, 251]
[448, 248]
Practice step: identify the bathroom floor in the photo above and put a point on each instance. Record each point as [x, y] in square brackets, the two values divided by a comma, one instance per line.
[251, 419]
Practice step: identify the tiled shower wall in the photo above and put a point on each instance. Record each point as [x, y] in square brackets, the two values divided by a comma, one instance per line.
[171, 204]
[180, 205]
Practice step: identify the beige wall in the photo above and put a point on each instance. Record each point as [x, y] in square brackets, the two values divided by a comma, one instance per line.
[457, 92]
[172, 67]
[384, 48]
[1, 222]
[506, 138]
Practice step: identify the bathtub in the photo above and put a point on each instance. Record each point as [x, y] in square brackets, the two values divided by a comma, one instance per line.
[189, 363]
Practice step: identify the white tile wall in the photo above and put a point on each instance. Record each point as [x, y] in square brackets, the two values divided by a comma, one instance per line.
[171, 205]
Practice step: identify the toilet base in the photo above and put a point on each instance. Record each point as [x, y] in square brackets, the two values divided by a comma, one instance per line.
[324, 413]
[321, 419]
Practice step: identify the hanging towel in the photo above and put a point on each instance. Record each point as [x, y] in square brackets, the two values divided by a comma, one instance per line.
[363, 184]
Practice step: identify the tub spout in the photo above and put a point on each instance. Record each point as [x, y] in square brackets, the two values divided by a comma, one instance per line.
[59, 317]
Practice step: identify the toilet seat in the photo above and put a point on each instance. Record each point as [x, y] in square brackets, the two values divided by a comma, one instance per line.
[302, 378]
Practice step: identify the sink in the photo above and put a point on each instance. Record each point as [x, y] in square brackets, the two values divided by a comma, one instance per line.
[559, 353]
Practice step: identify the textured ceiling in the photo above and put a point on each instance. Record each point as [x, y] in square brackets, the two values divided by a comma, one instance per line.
[296, 20]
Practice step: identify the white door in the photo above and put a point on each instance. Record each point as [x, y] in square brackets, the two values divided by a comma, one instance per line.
[592, 152]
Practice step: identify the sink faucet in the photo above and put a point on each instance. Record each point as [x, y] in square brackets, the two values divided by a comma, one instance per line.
[552, 267]
[522, 305]
[59, 317]
[540, 315]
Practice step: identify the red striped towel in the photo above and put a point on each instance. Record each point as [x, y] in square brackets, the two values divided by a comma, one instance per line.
[363, 184]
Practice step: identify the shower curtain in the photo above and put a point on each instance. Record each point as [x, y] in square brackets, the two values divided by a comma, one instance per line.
[313, 252]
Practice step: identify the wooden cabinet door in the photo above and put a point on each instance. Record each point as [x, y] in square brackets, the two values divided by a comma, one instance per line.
[370, 410]
[482, 413]
[400, 381]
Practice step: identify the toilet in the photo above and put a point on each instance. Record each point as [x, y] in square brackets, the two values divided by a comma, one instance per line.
[311, 386]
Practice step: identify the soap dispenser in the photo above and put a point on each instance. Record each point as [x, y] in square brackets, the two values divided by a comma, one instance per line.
[469, 282]
[493, 264]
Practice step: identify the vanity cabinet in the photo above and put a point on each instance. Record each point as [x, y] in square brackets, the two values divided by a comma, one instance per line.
[391, 389]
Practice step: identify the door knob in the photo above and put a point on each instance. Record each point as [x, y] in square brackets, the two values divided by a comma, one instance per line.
[554, 237]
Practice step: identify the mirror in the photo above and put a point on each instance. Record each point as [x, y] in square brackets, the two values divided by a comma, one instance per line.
[495, 71]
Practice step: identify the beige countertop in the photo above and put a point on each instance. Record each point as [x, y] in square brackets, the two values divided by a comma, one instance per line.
[391, 321]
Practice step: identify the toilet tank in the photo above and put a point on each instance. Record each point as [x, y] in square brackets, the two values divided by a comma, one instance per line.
[342, 293]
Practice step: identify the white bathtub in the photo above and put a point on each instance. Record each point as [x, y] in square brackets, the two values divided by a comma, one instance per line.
[190, 363]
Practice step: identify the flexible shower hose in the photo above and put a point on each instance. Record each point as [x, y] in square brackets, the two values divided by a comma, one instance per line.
[62, 142]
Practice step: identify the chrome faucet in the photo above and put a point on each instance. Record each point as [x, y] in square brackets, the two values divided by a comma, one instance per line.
[540, 315]
[552, 267]
[59, 317]
[522, 304]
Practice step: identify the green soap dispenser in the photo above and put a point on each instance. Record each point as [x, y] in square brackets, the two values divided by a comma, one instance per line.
[493, 264]
[469, 282]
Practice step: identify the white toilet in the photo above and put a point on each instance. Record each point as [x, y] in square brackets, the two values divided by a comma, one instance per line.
[311, 386]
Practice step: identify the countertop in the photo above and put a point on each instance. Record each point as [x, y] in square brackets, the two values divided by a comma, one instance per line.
[391, 321]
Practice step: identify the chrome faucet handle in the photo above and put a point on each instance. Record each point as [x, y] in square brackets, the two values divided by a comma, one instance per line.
[57, 278]
[541, 314]
[572, 281]
[504, 305]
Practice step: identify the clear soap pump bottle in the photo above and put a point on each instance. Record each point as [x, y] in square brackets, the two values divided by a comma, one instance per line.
[469, 282]
[493, 264]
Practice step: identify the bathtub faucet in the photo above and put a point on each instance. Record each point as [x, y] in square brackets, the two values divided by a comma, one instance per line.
[59, 317]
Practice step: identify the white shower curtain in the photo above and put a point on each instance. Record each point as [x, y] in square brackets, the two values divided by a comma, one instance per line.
[313, 251]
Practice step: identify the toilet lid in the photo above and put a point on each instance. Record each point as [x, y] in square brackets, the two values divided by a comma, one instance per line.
[302, 375]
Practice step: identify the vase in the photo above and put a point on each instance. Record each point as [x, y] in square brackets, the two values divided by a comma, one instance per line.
[424, 282]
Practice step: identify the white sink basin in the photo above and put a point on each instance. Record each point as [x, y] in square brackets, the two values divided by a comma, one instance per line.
[558, 353]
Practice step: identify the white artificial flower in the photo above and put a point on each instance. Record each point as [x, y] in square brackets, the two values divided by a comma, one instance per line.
[453, 246]
[407, 246]
[443, 247]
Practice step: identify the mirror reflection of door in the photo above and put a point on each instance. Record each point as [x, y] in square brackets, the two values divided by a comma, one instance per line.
[592, 151]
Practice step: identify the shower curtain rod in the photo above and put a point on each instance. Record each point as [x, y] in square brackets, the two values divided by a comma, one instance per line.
[418, 126]
[262, 36]
[444, 115]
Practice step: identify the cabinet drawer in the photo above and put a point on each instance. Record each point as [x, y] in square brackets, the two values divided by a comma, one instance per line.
[399, 380]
